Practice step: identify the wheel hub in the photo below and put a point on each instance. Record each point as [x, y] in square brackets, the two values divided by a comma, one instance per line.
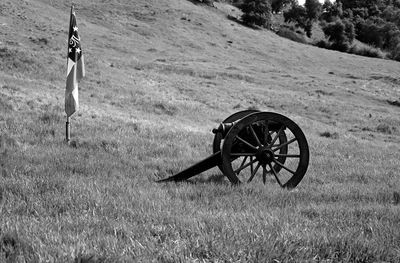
[265, 156]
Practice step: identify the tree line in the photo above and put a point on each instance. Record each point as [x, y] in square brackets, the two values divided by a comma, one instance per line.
[374, 22]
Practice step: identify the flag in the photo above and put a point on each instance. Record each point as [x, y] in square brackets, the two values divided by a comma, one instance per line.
[75, 67]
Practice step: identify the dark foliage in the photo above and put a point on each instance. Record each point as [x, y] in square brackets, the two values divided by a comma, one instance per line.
[292, 34]
[366, 51]
[395, 53]
[313, 8]
[206, 2]
[377, 32]
[297, 14]
[374, 22]
[335, 31]
[256, 13]
[304, 16]
[331, 11]
[323, 44]
[278, 5]
[340, 33]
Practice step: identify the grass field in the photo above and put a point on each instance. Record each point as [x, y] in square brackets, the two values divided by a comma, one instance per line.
[160, 76]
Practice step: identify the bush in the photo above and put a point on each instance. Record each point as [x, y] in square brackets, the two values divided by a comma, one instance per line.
[323, 44]
[370, 33]
[291, 34]
[297, 14]
[367, 51]
[278, 5]
[256, 13]
[314, 9]
[395, 53]
[304, 16]
[340, 33]
[349, 30]
[206, 2]
[341, 46]
[335, 31]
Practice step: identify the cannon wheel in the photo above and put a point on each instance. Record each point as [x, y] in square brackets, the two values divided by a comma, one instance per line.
[244, 151]
[237, 116]
[234, 117]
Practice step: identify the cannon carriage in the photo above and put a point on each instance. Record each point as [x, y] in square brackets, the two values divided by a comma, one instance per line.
[251, 144]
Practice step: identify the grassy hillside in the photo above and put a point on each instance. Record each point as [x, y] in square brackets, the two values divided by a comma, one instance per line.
[160, 76]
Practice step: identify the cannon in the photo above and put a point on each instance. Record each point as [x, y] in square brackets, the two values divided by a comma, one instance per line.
[251, 144]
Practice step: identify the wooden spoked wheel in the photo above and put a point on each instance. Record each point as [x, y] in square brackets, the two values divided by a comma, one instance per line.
[218, 138]
[265, 145]
[234, 117]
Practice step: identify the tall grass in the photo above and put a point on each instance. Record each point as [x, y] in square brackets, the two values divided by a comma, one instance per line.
[97, 199]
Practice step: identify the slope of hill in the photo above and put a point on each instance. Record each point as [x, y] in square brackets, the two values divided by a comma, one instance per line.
[160, 76]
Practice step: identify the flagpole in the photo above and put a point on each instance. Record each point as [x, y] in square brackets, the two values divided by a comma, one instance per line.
[67, 124]
[68, 130]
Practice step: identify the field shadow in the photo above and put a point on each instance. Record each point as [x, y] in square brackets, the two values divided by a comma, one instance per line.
[91, 259]
[394, 102]
[240, 22]
[201, 2]
[12, 248]
[218, 179]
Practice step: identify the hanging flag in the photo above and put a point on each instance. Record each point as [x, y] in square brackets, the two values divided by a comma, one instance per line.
[75, 66]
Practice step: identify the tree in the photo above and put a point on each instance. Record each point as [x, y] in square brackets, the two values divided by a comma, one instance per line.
[341, 33]
[304, 16]
[375, 22]
[374, 10]
[297, 14]
[349, 30]
[357, 3]
[332, 11]
[370, 32]
[313, 8]
[278, 5]
[256, 12]
[395, 53]
[361, 12]
[327, 6]
[392, 14]
[308, 27]
[335, 31]
[348, 13]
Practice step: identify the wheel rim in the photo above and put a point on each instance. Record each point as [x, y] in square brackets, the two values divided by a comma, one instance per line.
[266, 145]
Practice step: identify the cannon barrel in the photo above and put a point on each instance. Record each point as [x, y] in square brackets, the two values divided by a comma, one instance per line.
[195, 169]
[223, 128]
